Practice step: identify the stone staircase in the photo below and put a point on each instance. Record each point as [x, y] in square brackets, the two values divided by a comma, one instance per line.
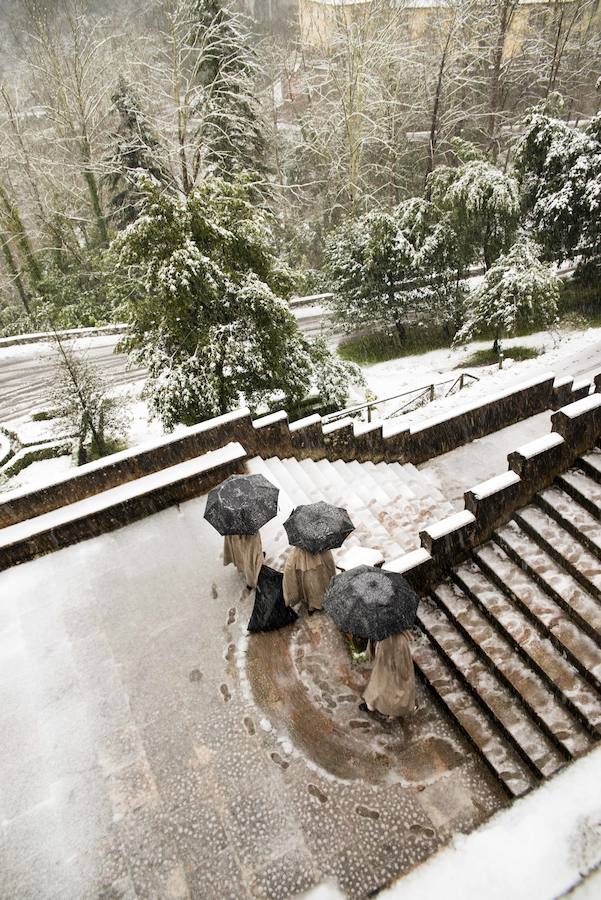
[511, 643]
[389, 503]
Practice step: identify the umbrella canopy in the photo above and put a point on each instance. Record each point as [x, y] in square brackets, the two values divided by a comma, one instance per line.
[270, 610]
[241, 504]
[318, 526]
[371, 603]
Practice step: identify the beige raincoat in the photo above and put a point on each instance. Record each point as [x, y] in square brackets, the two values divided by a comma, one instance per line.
[306, 576]
[245, 551]
[391, 687]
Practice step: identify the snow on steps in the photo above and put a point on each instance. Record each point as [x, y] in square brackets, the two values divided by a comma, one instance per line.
[388, 503]
[511, 643]
[117, 506]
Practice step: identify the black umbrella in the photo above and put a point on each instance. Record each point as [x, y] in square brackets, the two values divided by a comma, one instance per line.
[318, 526]
[270, 610]
[241, 504]
[371, 603]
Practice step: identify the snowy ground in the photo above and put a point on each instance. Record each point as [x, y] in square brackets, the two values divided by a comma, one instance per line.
[576, 353]
[538, 849]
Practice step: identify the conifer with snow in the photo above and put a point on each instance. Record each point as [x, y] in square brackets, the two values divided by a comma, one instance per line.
[205, 297]
[518, 290]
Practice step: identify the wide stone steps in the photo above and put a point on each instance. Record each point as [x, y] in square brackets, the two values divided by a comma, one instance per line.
[542, 610]
[500, 703]
[583, 489]
[388, 503]
[517, 630]
[554, 580]
[572, 517]
[466, 710]
[485, 580]
[563, 547]
[498, 653]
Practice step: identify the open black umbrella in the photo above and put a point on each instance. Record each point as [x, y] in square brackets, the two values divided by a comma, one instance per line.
[371, 603]
[241, 504]
[270, 610]
[318, 526]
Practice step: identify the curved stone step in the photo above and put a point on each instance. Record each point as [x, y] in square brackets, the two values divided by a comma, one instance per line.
[501, 757]
[568, 552]
[529, 740]
[484, 580]
[572, 517]
[552, 578]
[541, 609]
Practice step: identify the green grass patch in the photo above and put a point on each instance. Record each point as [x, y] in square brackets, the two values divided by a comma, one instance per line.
[488, 357]
[381, 346]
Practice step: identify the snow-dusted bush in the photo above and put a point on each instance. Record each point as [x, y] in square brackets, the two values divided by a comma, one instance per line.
[517, 290]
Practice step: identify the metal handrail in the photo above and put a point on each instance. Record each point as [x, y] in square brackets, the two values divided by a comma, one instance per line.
[420, 391]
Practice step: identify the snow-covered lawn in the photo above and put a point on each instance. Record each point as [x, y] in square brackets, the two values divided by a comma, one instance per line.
[573, 353]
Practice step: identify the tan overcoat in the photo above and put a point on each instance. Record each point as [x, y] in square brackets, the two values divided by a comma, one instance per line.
[245, 551]
[391, 687]
[306, 576]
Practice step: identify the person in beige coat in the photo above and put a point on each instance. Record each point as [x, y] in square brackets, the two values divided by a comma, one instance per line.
[306, 577]
[245, 551]
[391, 687]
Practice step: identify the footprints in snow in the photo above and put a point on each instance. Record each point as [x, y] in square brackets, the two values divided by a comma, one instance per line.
[317, 793]
[231, 615]
[225, 693]
[282, 763]
[250, 726]
[367, 813]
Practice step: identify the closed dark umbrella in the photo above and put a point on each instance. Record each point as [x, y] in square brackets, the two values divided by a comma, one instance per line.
[242, 504]
[371, 603]
[270, 610]
[318, 527]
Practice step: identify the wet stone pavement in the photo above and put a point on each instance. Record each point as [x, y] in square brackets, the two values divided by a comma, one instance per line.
[152, 748]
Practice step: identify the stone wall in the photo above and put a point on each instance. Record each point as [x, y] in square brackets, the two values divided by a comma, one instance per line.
[125, 504]
[274, 435]
[576, 429]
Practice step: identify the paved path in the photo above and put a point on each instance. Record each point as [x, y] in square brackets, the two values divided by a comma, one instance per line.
[150, 749]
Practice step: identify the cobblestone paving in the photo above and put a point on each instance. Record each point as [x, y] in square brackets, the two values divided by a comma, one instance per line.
[151, 749]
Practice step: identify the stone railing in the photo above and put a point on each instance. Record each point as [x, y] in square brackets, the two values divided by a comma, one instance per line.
[274, 435]
[576, 429]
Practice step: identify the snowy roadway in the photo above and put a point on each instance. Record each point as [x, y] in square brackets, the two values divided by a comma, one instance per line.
[26, 371]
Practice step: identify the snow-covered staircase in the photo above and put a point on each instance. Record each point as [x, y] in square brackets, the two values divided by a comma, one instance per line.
[511, 642]
[388, 503]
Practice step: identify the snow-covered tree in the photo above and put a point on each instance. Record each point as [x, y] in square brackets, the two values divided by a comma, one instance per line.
[205, 297]
[134, 149]
[82, 399]
[484, 204]
[560, 172]
[385, 266]
[517, 290]
[199, 90]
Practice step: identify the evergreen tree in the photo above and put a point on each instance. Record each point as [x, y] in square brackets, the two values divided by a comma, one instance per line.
[518, 290]
[226, 77]
[204, 294]
[134, 148]
[559, 167]
[384, 267]
[483, 203]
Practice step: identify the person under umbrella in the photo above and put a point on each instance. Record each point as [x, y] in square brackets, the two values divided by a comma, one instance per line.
[314, 530]
[237, 508]
[381, 606]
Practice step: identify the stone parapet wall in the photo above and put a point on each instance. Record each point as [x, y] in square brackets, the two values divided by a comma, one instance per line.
[274, 435]
[576, 429]
[121, 506]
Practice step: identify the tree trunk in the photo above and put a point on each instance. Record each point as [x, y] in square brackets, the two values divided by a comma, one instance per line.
[14, 273]
[434, 120]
